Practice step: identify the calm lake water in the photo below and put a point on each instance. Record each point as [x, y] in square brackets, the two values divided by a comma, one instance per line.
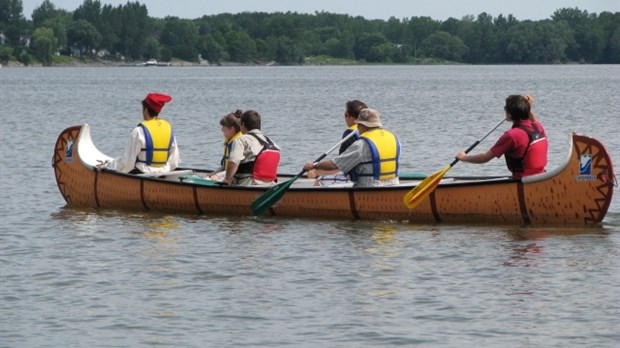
[85, 278]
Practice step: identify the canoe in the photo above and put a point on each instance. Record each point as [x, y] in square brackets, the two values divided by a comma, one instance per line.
[576, 193]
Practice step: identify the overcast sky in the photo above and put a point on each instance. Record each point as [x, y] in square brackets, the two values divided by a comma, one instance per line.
[375, 9]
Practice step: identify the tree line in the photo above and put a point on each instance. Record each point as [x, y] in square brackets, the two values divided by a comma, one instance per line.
[127, 33]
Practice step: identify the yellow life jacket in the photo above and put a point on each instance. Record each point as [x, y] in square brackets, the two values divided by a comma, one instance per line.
[385, 149]
[227, 148]
[158, 136]
[350, 129]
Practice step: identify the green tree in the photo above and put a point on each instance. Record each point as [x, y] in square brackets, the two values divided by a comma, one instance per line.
[614, 47]
[6, 54]
[240, 46]
[12, 21]
[394, 30]
[47, 10]
[484, 45]
[287, 52]
[610, 24]
[59, 25]
[212, 50]
[90, 11]
[181, 36]
[368, 47]
[110, 28]
[537, 42]
[589, 41]
[418, 29]
[11, 11]
[152, 49]
[133, 31]
[83, 36]
[442, 45]
[44, 43]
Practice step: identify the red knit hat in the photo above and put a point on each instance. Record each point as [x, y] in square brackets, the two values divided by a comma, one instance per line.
[156, 101]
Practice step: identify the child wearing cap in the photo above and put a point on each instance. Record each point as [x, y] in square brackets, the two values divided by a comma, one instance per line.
[152, 144]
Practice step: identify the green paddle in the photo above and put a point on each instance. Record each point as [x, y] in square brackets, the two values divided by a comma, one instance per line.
[271, 196]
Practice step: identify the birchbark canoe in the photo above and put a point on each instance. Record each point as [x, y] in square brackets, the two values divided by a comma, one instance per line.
[576, 193]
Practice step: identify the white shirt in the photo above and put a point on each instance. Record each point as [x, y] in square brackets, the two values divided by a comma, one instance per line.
[127, 162]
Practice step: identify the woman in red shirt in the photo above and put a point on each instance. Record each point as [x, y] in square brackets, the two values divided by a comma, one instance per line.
[524, 146]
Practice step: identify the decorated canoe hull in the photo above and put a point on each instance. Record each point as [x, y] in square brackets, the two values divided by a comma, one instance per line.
[576, 193]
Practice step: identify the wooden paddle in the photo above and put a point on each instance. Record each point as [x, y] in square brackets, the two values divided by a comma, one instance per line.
[271, 196]
[423, 189]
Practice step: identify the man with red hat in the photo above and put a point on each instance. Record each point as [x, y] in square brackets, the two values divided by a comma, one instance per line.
[152, 145]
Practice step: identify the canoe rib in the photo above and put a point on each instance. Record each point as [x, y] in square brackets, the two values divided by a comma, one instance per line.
[579, 192]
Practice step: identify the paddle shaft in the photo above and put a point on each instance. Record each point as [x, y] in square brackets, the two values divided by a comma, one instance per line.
[478, 142]
[271, 196]
[329, 151]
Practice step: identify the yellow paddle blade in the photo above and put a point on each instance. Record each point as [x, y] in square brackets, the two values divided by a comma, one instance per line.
[423, 189]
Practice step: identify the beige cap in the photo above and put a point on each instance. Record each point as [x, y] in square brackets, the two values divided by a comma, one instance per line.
[370, 118]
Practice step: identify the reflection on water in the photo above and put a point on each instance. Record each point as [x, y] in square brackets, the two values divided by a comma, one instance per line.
[527, 255]
[383, 234]
[161, 231]
[540, 233]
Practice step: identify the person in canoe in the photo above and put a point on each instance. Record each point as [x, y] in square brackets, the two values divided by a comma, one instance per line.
[524, 146]
[152, 144]
[253, 158]
[372, 160]
[351, 112]
[231, 129]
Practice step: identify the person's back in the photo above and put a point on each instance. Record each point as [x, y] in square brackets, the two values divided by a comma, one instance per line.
[528, 152]
[536, 156]
[254, 158]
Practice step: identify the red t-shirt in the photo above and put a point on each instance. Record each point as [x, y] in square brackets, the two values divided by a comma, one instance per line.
[513, 144]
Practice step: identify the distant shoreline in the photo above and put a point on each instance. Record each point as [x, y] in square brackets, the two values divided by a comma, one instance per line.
[310, 61]
[111, 64]
[77, 63]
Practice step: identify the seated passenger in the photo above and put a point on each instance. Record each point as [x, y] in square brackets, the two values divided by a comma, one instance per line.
[253, 158]
[231, 128]
[372, 160]
[524, 146]
[152, 146]
[334, 177]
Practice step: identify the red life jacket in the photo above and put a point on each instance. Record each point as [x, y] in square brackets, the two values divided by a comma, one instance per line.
[535, 157]
[265, 166]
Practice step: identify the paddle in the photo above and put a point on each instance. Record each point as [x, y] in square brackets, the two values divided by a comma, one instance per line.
[271, 196]
[423, 189]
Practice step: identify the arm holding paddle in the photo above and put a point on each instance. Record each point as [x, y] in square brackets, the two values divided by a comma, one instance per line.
[482, 157]
[327, 165]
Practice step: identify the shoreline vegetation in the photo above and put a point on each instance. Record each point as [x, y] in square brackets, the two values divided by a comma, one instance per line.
[99, 34]
[74, 62]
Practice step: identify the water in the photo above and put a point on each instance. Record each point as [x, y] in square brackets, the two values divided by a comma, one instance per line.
[85, 278]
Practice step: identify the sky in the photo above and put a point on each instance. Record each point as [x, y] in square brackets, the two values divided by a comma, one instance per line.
[370, 9]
